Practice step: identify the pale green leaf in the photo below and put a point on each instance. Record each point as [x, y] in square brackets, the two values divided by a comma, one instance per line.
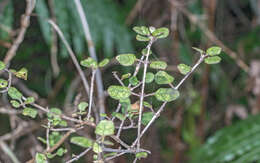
[149, 77]
[82, 141]
[40, 158]
[126, 59]
[158, 65]
[214, 50]
[82, 106]
[141, 155]
[30, 112]
[133, 81]
[167, 94]
[3, 83]
[142, 38]
[97, 148]
[2, 65]
[89, 62]
[162, 77]
[146, 118]
[105, 128]
[14, 93]
[184, 69]
[119, 92]
[103, 63]
[15, 103]
[161, 32]
[212, 60]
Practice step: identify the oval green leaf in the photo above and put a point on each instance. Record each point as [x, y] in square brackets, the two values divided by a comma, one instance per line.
[3, 83]
[126, 59]
[30, 112]
[89, 62]
[133, 81]
[40, 158]
[82, 106]
[142, 30]
[161, 32]
[184, 69]
[81, 141]
[14, 93]
[162, 77]
[2, 65]
[214, 50]
[142, 38]
[212, 60]
[149, 77]
[167, 94]
[146, 118]
[103, 63]
[119, 92]
[105, 128]
[158, 65]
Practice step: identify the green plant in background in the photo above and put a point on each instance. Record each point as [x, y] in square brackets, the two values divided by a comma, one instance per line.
[238, 143]
[110, 126]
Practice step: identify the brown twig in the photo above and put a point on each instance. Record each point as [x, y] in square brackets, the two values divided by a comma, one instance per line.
[211, 36]
[92, 52]
[25, 22]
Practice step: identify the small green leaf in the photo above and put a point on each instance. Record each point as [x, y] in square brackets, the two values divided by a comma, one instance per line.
[82, 106]
[81, 141]
[3, 83]
[158, 65]
[22, 73]
[146, 104]
[198, 50]
[214, 50]
[97, 148]
[103, 115]
[14, 93]
[40, 158]
[118, 115]
[2, 65]
[89, 62]
[50, 156]
[126, 59]
[212, 60]
[61, 151]
[133, 81]
[15, 103]
[184, 69]
[55, 111]
[161, 32]
[29, 100]
[103, 63]
[63, 123]
[147, 117]
[162, 77]
[119, 92]
[167, 94]
[142, 30]
[141, 155]
[142, 38]
[149, 77]
[125, 76]
[145, 51]
[30, 112]
[105, 128]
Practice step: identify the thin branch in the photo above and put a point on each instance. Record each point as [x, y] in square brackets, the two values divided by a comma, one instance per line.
[72, 55]
[142, 90]
[211, 36]
[150, 123]
[92, 52]
[79, 156]
[91, 93]
[25, 22]
[9, 152]
[202, 57]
